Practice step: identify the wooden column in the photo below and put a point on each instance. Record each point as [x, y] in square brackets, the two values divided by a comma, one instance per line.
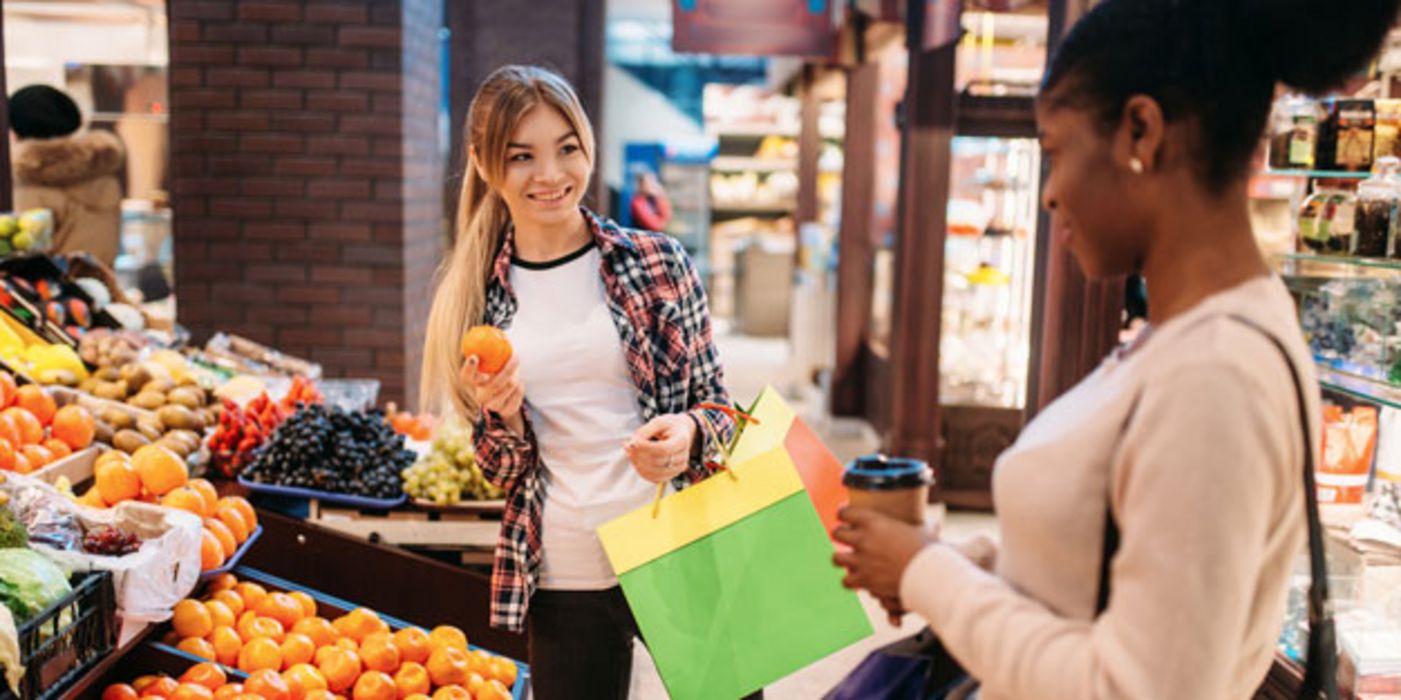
[855, 241]
[1075, 320]
[919, 275]
[6, 183]
[809, 146]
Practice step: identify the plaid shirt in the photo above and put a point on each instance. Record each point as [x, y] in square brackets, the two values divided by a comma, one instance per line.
[659, 307]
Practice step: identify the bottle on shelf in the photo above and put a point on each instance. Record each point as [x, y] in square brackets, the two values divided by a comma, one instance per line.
[1375, 217]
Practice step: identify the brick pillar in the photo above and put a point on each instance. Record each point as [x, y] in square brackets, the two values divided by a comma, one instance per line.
[307, 177]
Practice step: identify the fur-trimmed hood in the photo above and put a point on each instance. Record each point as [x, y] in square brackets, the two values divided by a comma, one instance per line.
[68, 160]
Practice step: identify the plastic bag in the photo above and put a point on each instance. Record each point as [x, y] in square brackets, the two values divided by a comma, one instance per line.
[29, 582]
[150, 581]
[9, 651]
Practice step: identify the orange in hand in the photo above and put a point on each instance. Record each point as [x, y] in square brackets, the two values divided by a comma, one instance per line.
[490, 346]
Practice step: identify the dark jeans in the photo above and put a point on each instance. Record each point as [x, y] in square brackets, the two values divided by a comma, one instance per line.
[581, 645]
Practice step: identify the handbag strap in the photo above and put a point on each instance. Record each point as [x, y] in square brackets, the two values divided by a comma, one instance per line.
[1320, 664]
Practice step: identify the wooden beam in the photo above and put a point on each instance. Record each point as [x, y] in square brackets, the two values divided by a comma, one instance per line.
[1075, 321]
[7, 185]
[854, 273]
[809, 145]
[919, 258]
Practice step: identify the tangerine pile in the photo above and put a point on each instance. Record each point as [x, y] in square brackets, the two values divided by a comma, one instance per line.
[34, 431]
[154, 474]
[292, 653]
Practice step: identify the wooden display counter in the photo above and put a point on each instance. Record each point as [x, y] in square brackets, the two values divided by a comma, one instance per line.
[387, 579]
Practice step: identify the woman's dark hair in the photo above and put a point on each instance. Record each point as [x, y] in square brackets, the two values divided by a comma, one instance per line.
[1215, 62]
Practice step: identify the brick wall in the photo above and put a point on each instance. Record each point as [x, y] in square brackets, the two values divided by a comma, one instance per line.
[307, 195]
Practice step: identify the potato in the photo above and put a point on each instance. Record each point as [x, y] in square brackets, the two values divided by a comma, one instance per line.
[187, 436]
[176, 446]
[129, 441]
[163, 386]
[103, 432]
[109, 374]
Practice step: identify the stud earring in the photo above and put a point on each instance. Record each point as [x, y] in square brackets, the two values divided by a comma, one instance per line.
[1136, 165]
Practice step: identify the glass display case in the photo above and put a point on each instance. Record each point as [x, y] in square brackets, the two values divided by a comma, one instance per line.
[989, 262]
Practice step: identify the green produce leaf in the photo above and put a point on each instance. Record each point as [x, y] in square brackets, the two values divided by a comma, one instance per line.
[29, 582]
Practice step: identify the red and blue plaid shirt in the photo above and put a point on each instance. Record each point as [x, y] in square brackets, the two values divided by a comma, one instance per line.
[658, 304]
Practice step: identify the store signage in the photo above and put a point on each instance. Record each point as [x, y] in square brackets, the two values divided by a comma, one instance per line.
[753, 27]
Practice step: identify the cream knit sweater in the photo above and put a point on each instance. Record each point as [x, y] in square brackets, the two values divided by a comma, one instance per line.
[1193, 439]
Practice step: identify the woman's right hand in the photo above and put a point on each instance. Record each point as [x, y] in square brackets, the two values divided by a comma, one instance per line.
[501, 393]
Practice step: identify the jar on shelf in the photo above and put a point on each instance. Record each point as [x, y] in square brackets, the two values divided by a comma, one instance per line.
[1294, 133]
[1327, 222]
[1375, 217]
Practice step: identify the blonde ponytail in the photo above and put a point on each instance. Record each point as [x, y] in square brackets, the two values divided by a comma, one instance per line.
[460, 300]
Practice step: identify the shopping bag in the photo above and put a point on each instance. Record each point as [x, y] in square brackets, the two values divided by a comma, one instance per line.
[731, 580]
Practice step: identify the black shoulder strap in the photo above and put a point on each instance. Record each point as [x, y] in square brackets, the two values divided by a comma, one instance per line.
[1320, 670]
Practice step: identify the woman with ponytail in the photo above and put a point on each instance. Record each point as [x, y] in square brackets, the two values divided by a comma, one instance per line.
[600, 401]
[1151, 517]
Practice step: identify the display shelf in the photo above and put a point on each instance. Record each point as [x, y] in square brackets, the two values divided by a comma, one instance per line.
[1312, 264]
[1359, 387]
[741, 208]
[746, 164]
[1321, 174]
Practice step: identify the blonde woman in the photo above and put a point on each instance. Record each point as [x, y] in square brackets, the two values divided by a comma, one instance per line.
[599, 403]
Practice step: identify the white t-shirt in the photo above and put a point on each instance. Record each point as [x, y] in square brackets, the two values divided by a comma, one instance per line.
[583, 405]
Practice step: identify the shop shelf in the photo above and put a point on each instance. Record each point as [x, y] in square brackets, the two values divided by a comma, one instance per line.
[326, 496]
[1322, 174]
[740, 208]
[1313, 265]
[1359, 387]
[746, 164]
[236, 558]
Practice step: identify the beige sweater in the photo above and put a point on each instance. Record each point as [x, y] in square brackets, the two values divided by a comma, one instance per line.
[78, 178]
[1205, 477]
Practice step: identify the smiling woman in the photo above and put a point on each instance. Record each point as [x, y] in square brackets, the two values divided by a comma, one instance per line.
[600, 400]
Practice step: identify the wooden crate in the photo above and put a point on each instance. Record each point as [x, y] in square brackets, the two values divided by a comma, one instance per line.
[473, 534]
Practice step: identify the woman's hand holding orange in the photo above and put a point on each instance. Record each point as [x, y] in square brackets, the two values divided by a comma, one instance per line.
[501, 392]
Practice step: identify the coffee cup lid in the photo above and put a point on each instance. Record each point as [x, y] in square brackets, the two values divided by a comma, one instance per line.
[880, 472]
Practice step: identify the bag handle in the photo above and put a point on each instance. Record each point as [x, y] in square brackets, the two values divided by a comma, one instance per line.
[1321, 661]
[711, 434]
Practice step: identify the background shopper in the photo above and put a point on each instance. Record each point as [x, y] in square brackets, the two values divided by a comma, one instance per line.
[73, 173]
[1190, 439]
[612, 354]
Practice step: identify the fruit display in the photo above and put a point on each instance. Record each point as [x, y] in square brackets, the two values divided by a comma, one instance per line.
[329, 449]
[489, 345]
[107, 348]
[25, 351]
[156, 475]
[407, 424]
[12, 531]
[243, 430]
[290, 650]
[34, 431]
[142, 404]
[25, 232]
[449, 473]
[110, 541]
[303, 392]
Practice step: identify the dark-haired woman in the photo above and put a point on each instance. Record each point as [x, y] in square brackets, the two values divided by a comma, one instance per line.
[1190, 439]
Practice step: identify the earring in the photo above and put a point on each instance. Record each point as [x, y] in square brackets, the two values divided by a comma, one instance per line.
[1136, 165]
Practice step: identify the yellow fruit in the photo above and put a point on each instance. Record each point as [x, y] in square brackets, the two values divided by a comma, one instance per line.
[192, 619]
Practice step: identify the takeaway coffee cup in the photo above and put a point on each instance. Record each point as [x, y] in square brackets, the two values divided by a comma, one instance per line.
[895, 486]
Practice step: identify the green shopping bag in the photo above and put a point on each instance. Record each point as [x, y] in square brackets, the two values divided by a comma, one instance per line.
[731, 580]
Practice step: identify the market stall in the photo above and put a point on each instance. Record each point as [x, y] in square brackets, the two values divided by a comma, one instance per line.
[130, 463]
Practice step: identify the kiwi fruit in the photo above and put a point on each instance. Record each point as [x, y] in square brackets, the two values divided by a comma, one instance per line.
[117, 418]
[129, 441]
[187, 397]
[149, 400]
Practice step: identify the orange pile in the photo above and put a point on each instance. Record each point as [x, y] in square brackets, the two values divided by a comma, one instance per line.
[156, 475]
[295, 654]
[34, 431]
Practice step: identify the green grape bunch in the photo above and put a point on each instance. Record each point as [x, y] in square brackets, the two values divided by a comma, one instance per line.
[448, 473]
